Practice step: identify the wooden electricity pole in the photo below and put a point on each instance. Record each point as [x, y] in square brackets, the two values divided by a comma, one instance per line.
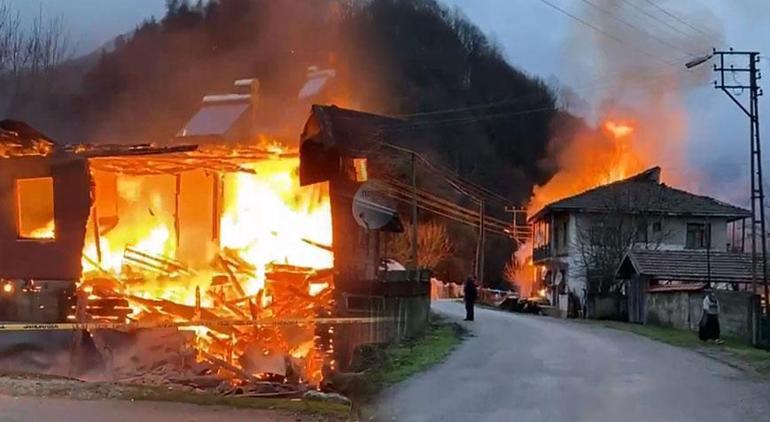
[480, 244]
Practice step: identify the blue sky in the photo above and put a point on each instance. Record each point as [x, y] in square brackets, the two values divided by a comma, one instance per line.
[543, 42]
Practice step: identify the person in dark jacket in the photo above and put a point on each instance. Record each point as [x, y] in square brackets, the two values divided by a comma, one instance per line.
[470, 294]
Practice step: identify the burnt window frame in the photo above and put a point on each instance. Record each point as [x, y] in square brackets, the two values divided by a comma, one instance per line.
[17, 197]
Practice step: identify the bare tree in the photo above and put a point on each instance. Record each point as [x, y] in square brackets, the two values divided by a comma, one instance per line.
[30, 56]
[47, 44]
[433, 244]
[602, 239]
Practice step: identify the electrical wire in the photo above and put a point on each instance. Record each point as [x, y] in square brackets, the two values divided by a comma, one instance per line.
[603, 32]
[460, 184]
[630, 25]
[432, 208]
[678, 19]
[404, 188]
[655, 18]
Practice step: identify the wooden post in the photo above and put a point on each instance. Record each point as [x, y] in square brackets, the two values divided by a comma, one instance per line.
[177, 224]
[482, 241]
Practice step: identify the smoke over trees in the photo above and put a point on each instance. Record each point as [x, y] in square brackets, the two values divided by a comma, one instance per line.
[397, 57]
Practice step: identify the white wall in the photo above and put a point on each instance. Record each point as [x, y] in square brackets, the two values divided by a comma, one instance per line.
[673, 236]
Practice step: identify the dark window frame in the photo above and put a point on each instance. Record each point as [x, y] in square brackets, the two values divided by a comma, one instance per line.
[697, 236]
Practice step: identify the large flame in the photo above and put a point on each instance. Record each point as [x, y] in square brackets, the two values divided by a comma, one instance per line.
[269, 219]
[265, 220]
[593, 159]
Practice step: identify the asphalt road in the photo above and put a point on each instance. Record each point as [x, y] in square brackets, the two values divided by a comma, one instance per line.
[529, 368]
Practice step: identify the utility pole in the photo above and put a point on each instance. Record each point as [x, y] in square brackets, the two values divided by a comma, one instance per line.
[521, 234]
[708, 254]
[415, 260]
[729, 84]
[480, 243]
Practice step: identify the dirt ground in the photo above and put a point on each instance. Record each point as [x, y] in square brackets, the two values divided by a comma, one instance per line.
[29, 398]
[46, 409]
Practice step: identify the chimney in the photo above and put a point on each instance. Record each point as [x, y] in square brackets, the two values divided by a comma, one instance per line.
[651, 175]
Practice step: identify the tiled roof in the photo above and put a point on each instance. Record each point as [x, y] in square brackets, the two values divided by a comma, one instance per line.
[691, 265]
[644, 193]
[688, 287]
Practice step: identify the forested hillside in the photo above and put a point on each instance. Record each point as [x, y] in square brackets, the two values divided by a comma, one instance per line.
[410, 58]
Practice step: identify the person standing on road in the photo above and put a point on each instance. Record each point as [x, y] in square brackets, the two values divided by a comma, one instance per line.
[709, 324]
[470, 292]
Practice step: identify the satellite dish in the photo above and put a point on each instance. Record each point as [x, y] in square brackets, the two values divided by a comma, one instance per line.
[372, 207]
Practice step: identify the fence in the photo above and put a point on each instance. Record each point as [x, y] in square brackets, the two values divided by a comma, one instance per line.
[683, 310]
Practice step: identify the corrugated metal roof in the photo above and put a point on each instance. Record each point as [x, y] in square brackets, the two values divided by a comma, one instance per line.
[644, 193]
[214, 119]
[691, 265]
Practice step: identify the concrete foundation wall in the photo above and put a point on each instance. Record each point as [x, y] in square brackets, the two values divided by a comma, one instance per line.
[612, 307]
[683, 310]
[409, 313]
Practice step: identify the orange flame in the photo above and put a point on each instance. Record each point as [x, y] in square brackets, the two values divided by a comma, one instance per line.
[593, 159]
[265, 218]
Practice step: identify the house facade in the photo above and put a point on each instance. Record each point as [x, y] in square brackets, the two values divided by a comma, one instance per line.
[579, 241]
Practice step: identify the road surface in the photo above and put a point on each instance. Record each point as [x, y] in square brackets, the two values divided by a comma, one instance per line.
[528, 368]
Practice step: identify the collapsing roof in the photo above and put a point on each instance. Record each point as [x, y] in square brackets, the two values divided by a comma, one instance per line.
[148, 159]
[687, 265]
[644, 193]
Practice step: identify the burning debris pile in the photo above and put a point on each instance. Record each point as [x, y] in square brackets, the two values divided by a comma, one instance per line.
[169, 245]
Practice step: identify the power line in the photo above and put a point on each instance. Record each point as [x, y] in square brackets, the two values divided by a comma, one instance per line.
[601, 31]
[655, 18]
[460, 184]
[444, 202]
[458, 214]
[429, 124]
[678, 19]
[630, 25]
[593, 84]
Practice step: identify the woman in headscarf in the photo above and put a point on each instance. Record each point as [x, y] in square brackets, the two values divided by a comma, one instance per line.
[709, 323]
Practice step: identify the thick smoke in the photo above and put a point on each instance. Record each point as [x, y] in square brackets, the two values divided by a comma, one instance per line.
[635, 54]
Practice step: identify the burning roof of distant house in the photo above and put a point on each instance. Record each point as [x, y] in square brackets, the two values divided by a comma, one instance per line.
[18, 138]
[644, 192]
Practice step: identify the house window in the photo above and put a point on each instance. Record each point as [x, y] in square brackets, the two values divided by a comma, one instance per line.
[560, 236]
[641, 232]
[35, 213]
[564, 235]
[697, 236]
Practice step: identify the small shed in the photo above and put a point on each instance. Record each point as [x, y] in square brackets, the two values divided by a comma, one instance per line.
[686, 266]
[665, 287]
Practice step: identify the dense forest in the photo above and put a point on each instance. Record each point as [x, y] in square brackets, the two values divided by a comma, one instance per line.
[411, 58]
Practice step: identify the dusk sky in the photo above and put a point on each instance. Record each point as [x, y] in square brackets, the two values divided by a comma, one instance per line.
[535, 38]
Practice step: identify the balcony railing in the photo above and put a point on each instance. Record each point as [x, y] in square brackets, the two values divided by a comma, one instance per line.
[541, 253]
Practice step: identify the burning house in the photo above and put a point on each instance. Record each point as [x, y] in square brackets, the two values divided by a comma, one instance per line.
[580, 240]
[201, 242]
